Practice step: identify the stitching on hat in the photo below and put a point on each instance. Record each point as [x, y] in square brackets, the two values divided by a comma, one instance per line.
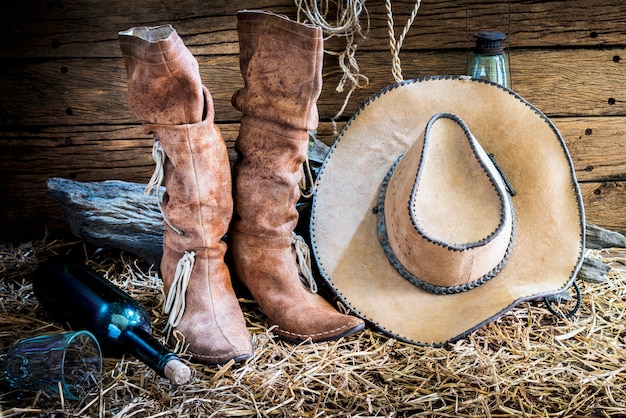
[575, 187]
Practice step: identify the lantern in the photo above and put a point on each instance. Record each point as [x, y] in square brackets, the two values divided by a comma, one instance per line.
[488, 59]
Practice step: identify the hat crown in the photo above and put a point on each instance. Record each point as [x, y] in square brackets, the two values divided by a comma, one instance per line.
[446, 219]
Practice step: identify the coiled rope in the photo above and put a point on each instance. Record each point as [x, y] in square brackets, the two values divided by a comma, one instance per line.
[347, 24]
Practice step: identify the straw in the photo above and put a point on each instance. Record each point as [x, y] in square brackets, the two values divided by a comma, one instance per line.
[527, 363]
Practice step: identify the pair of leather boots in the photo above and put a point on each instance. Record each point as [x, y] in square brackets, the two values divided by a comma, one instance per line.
[255, 203]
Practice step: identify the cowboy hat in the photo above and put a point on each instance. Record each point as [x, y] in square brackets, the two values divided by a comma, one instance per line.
[444, 202]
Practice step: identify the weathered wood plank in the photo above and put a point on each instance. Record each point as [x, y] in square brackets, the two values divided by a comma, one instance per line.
[98, 153]
[93, 91]
[605, 204]
[84, 28]
[596, 145]
[576, 82]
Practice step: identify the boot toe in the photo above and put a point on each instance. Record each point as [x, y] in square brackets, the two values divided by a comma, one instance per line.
[213, 346]
[222, 356]
[321, 326]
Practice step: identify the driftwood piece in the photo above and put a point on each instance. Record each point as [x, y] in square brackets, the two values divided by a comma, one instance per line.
[112, 214]
[599, 238]
[593, 271]
[117, 214]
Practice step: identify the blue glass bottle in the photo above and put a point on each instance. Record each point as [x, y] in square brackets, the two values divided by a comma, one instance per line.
[74, 294]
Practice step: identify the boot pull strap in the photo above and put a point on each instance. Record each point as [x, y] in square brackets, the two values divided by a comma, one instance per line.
[158, 154]
[175, 302]
[303, 255]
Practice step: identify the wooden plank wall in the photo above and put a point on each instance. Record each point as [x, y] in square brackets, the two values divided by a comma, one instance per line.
[63, 100]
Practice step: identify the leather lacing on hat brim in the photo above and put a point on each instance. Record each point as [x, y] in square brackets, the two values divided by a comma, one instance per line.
[393, 260]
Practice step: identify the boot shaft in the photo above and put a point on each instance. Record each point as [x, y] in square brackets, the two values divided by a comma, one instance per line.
[164, 85]
[198, 200]
[266, 177]
[281, 63]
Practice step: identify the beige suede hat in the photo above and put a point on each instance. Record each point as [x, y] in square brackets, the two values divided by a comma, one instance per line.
[443, 203]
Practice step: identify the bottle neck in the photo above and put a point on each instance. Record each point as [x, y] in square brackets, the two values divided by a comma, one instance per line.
[147, 348]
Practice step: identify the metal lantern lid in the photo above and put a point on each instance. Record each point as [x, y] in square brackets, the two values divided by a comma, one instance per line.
[489, 43]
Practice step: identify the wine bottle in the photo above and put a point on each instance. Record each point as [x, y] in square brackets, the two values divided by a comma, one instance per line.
[73, 293]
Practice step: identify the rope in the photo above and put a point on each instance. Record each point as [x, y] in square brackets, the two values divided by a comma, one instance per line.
[175, 303]
[347, 25]
[347, 21]
[396, 45]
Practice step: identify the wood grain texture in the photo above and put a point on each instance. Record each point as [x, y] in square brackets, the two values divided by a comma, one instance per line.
[99, 153]
[605, 204]
[93, 91]
[64, 109]
[88, 28]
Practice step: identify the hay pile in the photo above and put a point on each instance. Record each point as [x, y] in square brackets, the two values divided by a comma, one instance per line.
[528, 363]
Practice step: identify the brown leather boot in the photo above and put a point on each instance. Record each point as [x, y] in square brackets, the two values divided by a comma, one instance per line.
[281, 63]
[166, 92]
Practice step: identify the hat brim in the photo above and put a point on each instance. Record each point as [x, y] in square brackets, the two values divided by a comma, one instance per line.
[549, 243]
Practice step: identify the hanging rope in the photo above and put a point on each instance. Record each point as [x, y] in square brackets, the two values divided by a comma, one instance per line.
[347, 25]
[396, 45]
[346, 22]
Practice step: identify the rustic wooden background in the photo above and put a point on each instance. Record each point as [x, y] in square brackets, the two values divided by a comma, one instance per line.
[64, 110]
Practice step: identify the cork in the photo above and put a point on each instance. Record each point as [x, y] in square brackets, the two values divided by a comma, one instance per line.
[177, 372]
